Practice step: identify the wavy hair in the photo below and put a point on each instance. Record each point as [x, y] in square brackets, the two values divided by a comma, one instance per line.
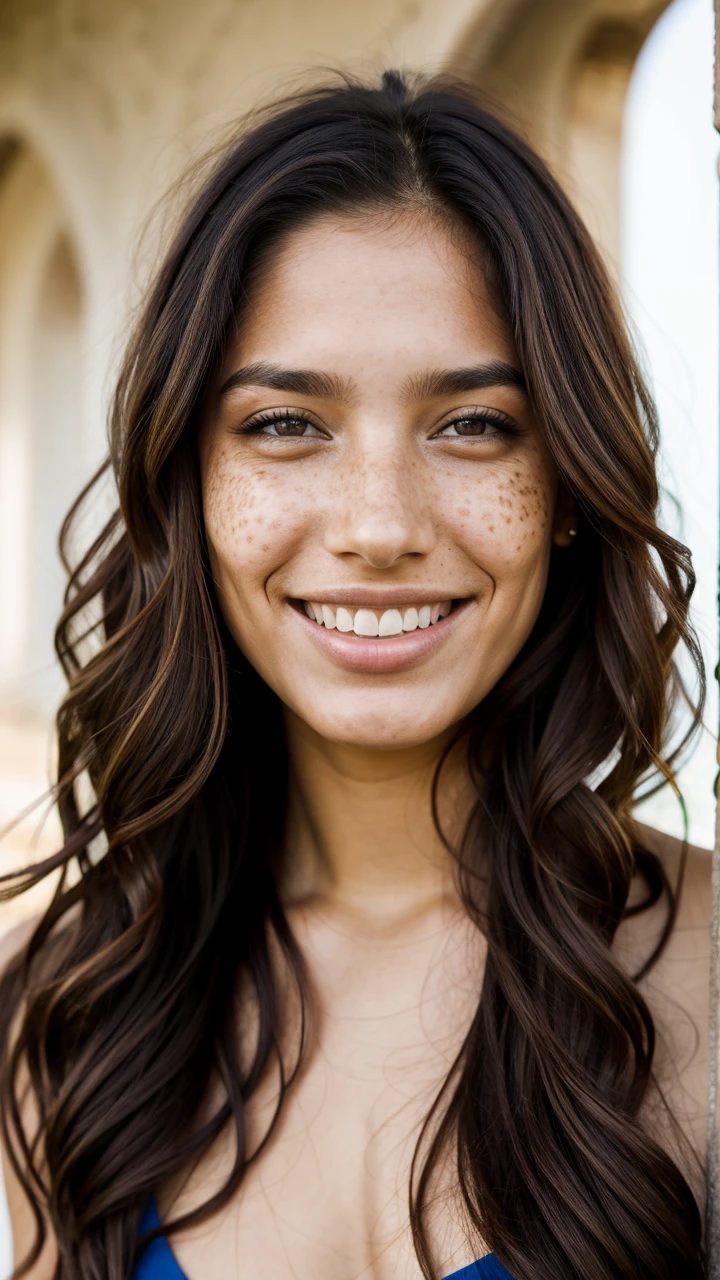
[124, 1000]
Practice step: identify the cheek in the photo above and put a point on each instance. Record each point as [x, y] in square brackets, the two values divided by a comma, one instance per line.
[252, 519]
[504, 518]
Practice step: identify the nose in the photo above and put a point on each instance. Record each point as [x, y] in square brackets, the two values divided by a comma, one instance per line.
[382, 510]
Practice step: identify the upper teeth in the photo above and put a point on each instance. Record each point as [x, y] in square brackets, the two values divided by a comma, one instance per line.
[367, 622]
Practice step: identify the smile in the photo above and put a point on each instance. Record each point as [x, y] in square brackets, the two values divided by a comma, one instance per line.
[380, 640]
[372, 622]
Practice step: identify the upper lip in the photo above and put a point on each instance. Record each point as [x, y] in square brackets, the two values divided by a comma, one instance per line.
[379, 597]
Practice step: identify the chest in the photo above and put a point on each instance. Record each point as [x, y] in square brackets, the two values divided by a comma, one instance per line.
[327, 1197]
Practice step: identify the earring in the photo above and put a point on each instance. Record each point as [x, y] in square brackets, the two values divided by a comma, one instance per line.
[572, 533]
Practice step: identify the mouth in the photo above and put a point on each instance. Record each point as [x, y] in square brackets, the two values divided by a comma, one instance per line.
[382, 639]
[370, 623]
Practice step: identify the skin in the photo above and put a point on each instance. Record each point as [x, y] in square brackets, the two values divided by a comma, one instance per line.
[374, 498]
[372, 495]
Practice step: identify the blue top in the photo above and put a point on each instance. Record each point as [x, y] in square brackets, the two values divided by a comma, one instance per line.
[157, 1261]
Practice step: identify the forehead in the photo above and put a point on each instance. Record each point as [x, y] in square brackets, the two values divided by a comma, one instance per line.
[407, 285]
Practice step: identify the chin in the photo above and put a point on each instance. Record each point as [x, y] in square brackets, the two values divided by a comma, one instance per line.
[378, 726]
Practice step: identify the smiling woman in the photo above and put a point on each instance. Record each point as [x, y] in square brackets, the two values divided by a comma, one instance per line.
[356, 985]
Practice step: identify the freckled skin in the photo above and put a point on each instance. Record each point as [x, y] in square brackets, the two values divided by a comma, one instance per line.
[375, 496]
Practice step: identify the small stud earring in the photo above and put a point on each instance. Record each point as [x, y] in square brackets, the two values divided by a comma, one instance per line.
[572, 533]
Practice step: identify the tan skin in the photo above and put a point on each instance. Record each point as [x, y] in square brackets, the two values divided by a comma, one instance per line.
[385, 484]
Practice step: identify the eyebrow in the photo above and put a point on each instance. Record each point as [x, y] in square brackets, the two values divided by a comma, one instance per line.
[451, 382]
[328, 386]
[278, 377]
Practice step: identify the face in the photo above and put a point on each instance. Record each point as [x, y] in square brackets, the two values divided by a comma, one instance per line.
[379, 503]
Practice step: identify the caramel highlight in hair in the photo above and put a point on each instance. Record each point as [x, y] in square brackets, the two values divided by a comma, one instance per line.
[125, 999]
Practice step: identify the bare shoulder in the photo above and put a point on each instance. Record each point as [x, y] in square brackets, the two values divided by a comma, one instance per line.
[677, 987]
[686, 957]
[13, 941]
[21, 1217]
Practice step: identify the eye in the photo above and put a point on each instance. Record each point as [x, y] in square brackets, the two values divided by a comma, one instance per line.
[280, 424]
[477, 423]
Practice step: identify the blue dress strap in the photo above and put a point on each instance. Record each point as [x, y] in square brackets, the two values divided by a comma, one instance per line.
[487, 1268]
[157, 1260]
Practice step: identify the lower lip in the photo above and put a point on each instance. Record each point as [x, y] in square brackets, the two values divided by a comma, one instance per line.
[392, 653]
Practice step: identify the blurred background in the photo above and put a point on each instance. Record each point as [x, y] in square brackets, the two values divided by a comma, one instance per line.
[103, 106]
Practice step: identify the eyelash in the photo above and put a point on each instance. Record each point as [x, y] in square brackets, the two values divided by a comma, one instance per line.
[255, 425]
[504, 426]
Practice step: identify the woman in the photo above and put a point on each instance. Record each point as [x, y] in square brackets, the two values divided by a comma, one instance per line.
[364, 674]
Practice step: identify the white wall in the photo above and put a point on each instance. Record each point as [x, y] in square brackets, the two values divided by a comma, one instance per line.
[670, 275]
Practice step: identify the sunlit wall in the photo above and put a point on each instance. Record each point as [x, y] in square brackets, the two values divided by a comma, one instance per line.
[670, 280]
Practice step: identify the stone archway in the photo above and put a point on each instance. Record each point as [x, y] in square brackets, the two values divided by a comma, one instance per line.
[54, 421]
[41, 310]
[560, 70]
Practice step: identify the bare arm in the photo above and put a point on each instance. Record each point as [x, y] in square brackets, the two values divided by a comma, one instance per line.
[677, 990]
[22, 1220]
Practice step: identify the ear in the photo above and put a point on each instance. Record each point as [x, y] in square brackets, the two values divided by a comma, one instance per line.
[565, 520]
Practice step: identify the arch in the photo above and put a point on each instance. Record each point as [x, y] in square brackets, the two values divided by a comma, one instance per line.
[41, 319]
[561, 69]
[54, 420]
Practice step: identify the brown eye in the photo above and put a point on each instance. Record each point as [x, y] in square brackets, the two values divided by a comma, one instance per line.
[290, 426]
[474, 425]
[280, 426]
[466, 427]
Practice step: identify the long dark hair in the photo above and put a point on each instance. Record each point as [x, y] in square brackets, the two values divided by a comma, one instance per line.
[125, 997]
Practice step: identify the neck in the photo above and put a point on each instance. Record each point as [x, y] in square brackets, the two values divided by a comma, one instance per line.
[361, 836]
